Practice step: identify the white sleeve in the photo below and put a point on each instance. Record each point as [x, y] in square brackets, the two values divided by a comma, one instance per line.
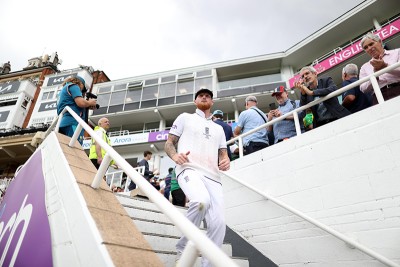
[222, 142]
[178, 125]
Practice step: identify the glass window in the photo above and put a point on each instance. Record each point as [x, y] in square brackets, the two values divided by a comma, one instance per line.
[203, 73]
[117, 98]
[185, 88]
[119, 87]
[104, 89]
[166, 90]
[250, 81]
[168, 79]
[51, 94]
[133, 96]
[151, 82]
[102, 100]
[45, 95]
[150, 92]
[204, 83]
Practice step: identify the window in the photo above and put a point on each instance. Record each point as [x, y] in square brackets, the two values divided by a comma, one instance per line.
[203, 73]
[117, 98]
[103, 99]
[168, 79]
[167, 90]
[150, 92]
[133, 96]
[104, 89]
[48, 95]
[185, 88]
[151, 82]
[204, 83]
[118, 87]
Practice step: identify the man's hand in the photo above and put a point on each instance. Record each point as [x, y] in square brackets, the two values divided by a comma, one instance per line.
[99, 160]
[378, 64]
[180, 158]
[224, 164]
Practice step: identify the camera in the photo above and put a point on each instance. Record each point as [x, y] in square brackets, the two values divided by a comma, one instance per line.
[90, 95]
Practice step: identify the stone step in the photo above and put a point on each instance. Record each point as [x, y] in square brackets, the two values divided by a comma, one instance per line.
[167, 244]
[169, 260]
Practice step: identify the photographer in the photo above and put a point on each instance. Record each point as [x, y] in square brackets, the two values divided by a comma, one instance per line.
[72, 95]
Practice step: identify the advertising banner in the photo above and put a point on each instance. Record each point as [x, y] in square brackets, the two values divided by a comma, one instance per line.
[350, 51]
[24, 227]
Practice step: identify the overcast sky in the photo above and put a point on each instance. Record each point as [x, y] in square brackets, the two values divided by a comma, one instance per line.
[129, 38]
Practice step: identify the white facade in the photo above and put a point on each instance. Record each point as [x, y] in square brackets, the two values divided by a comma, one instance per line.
[15, 99]
[46, 106]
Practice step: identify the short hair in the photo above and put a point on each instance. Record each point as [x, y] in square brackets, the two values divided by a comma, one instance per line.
[350, 69]
[147, 153]
[170, 169]
[309, 68]
[371, 36]
[251, 98]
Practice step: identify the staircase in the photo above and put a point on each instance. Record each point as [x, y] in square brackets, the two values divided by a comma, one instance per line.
[158, 230]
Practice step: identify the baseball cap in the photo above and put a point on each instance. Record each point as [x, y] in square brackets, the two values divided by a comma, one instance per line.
[82, 81]
[279, 90]
[251, 98]
[204, 90]
[218, 112]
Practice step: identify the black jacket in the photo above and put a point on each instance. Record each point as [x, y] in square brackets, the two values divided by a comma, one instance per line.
[325, 87]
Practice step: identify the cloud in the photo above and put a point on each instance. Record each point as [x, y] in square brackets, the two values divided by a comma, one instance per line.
[129, 38]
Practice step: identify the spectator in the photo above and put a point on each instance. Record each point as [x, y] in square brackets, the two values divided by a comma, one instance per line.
[97, 153]
[72, 95]
[249, 119]
[286, 128]
[380, 58]
[218, 116]
[145, 163]
[198, 146]
[354, 100]
[312, 88]
[167, 187]
[178, 196]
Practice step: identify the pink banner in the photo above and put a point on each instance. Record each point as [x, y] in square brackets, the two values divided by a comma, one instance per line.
[350, 51]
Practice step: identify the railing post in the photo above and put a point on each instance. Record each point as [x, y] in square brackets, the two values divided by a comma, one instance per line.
[377, 90]
[189, 255]
[75, 136]
[101, 171]
[240, 147]
[297, 123]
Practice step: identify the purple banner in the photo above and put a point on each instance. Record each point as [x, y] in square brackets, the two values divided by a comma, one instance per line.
[158, 136]
[24, 227]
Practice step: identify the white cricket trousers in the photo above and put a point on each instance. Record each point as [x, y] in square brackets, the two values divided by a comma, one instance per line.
[205, 201]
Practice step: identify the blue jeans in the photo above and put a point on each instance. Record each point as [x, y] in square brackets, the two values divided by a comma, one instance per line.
[69, 131]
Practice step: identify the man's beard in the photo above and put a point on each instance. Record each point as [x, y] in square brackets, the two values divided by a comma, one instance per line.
[203, 105]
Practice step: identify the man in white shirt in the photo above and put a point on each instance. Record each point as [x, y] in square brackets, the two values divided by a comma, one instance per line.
[198, 146]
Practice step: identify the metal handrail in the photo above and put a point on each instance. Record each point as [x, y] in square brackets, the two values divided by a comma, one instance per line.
[317, 223]
[294, 113]
[201, 243]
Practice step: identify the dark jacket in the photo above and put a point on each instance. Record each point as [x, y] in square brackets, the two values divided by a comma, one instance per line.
[325, 87]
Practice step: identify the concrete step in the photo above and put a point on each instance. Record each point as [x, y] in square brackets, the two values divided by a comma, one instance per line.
[169, 260]
[167, 244]
[159, 231]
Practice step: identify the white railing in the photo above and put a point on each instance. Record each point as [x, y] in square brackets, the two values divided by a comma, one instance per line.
[111, 177]
[320, 225]
[294, 113]
[344, 238]
[197, 241]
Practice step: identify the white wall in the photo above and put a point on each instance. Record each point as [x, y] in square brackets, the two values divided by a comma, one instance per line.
[345, 174]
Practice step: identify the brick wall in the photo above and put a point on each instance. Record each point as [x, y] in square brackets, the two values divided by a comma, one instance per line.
[345, 174]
